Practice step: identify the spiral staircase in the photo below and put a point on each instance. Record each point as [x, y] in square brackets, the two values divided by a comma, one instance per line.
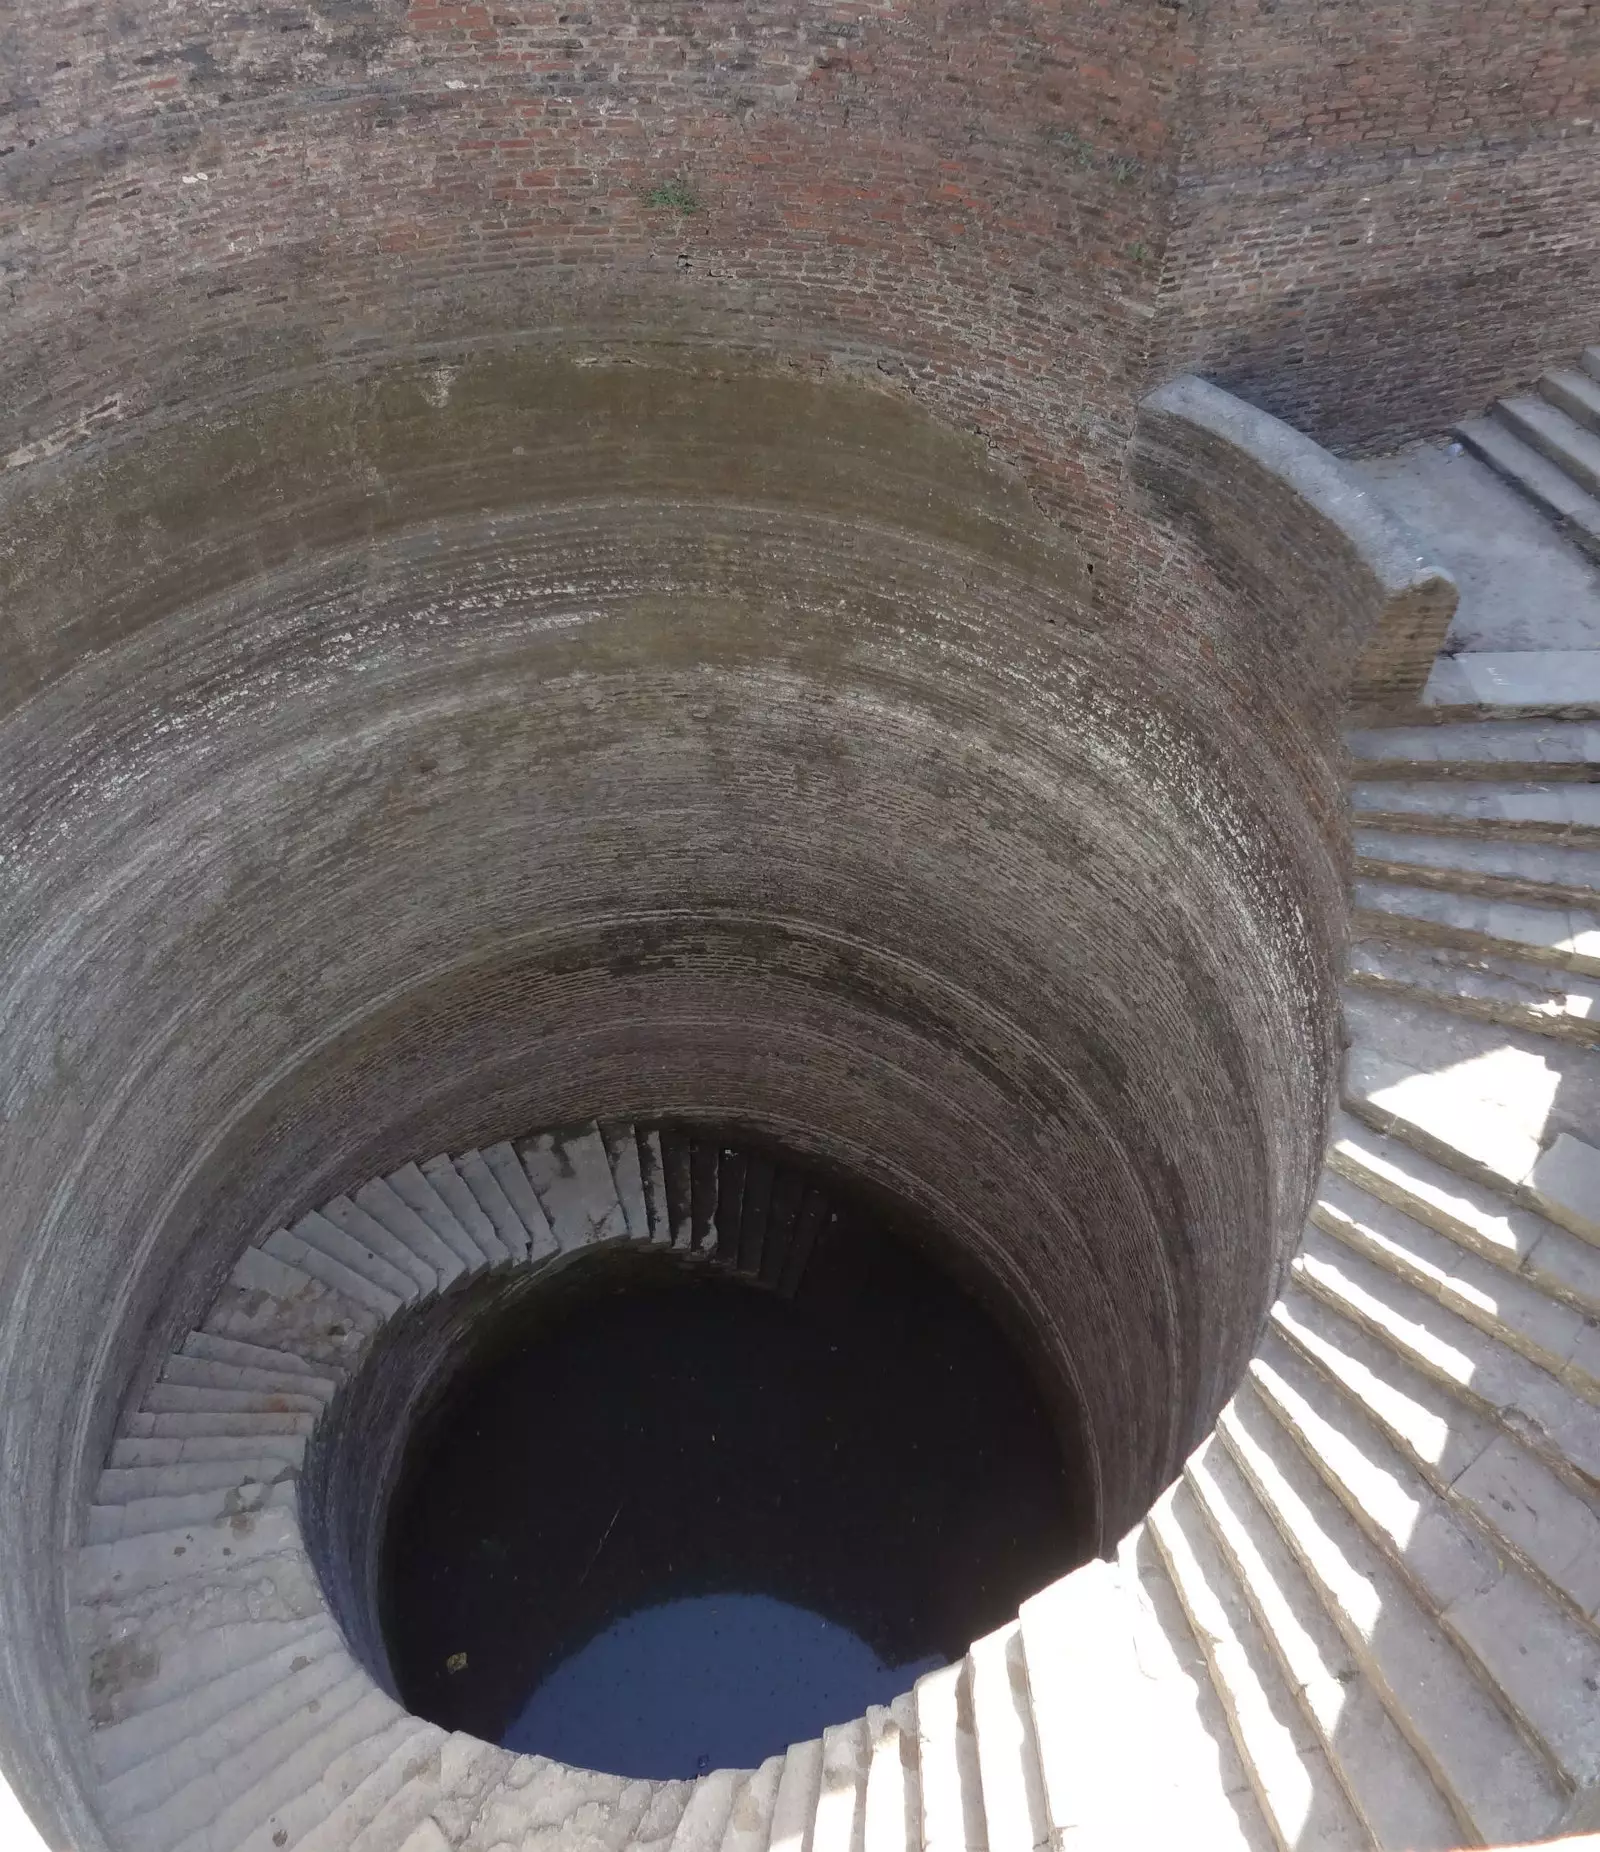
[1366, 1615]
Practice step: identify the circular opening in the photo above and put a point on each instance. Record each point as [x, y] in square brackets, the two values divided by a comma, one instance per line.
[670, 1512]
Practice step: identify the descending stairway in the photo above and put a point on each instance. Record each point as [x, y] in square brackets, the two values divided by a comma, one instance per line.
[1546, 443]
[1367, 1615]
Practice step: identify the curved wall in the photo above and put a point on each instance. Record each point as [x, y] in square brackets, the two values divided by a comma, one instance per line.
[414, 759]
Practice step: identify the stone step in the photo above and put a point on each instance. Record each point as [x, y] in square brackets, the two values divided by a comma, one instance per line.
[892, 1816]
[653, 1183]
[164, 1398]
[704, 1820]
[451, 1213]
[228, 1505]
[484, 1187]
[705, 1158]
[627, 1178]
[1494, 1781]
[268, 1302]
[947, 1754]
[749, 1827]
[1484, 1099]
[1547, 429]
[218, 1349]
[1014, 1813]
[1564, 814]
[202, 1424]
[281, 1244]
[1527, 1402]
[795, 1807]
[1554, 684]
[816, 1214]
[1299, 1794]
[1389, 1788]
[1574, 392]
[1478, 750]
[353, 1786]
[783, 1215]
[156, 1728]
[755, 1214]
[131, 1453]
[122, 1485]
[447, 1257]
[1539, 1661]
[192, 1372]
[841, 1797]
[371, 1247]
[727, 1206]
[1566, 1184]
[571, 1175]
[1474, 1214]
[451, 1784]
[1133, 1746]
[1589, 360]
[1575, 512]
[677, 1166]
[1473, 865]
[1555, 1336]
[507, 1169]
[1565, 937]
[1538, 999]
[115, 1571]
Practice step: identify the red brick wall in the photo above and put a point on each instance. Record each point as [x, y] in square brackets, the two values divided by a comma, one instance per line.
[1388, 210]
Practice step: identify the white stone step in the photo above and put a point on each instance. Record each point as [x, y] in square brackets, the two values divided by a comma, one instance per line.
[1299, 1794]
[1469, 1745]
[507, 1170]
[1541, 1663]
[892, 1817]
[448, 1782]
[1389, 1788]
[1481, 750]
[749, 1825]
[1545, 483]
[1467, 864]
[122, 1485]
[1472, 1213]
[1522, 1507]
[1480, 1097]
[1537, 999]
[1528, 811]
[278, 1306]
[452, 1189]
[1560, 936]
[231, 1506]
[653, 1182]
[155, 1728]
[281, 1244]
[727, 1206]
[1133, 1746]
[1556, 1336]
[947, 1753]
[476, 1173]
[627, 1179]
[415, 1232]
[1574, 392]
[296, 1762]
[472, 1241]
[705, 1816]
[1566, 1183]
[755, 1214]
[795, 1808]
[1589, 360]
[571, 1174]
[370, 1246]
[239, 1427]
[210, 1373]
[114, 1571]
[352, 1787]
[1014, 1811]
[182, 1399]
[217, 1349]
[1526, 1401]
[1548, 429]
[841, 1796]
[536, 1799]
[130, 1453]
[1564, 683]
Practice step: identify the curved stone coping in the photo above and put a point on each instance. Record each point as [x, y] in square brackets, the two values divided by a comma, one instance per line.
[1285, 523]
[224, 1600]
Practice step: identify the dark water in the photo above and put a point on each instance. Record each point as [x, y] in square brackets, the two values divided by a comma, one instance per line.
[685, 1522]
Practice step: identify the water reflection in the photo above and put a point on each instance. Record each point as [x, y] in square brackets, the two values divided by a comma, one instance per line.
[710, 1680]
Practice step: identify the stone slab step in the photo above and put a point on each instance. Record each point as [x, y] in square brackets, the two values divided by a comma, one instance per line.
[1545, 483]
[1528, 812]
[1552, 935]
[218, 1349]
[1574, 392]
[1133, 1746]
[1538, 999]
[1527, 684]
[226, 1505]
[268, 1302]
[749, 1826]
[122, 1485]
[783, 1215]
[484, 1187]
[440, 1176]
[1540, 1662]
[1555, 1336]
[447, 1782]
[755, 1214]
[1495, 1782]
[892, 1816]
[438, 1258]
[202, 1424]
[163, 1398]
[653, 1182]
[627, 1177]
[214, 1373]
[1475, 865]
[727, 1205]
[1299, 1794]
[1589, 360]
[1566, 1183]
[516, 1189]
[677, 1171]
[1390, 1790]
[841, 1795]
[130, 1453]
[704, 1820]
[370, 1247]
[1527, 1402]
[1474, 1214]
[283, 1245]
[571, 1174]
[1015, 1819]
[1546, 428]
[795, 1806]
[115, 1571]
[372, 1767]
[1478, 750]
[947, 1754]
